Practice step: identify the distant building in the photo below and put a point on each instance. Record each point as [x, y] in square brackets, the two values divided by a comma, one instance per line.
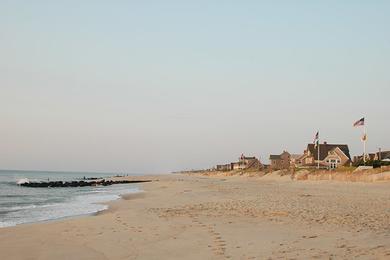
[280, 161]
[243, 163]
[382, 155]
[331, 156]
[224, 167]
[237, 166]
[369, 157]
[295, 160]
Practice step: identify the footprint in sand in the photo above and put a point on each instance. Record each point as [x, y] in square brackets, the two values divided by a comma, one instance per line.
[219, 245]
[218, 249]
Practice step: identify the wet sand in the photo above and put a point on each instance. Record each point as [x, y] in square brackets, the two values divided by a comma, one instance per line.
[199, 217]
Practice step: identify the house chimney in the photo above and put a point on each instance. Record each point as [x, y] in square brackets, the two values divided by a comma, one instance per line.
[325, 142]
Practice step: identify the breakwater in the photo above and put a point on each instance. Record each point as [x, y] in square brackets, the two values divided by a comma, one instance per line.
[59, 184]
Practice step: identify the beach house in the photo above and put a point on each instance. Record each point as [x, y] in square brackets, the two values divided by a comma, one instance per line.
[224, 167]
[295, 160]
[327, 155]
[280, 161]
[243, 163]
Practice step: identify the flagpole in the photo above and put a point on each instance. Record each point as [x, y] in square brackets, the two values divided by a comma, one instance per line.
[362, 122]
[364, 143]
[318, 152]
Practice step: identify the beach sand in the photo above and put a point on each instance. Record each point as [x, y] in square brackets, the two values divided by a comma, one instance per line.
[197, 217]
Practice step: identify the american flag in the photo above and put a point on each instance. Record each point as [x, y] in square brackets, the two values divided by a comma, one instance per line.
[360, 122]
[316, 139]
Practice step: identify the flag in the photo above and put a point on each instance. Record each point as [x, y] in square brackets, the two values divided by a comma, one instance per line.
[316, 139]
[360, 122]
[364, 137]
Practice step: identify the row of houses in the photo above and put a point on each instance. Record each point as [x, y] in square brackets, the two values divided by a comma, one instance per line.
[379, 156]
[329, 156]
[325, 155]
[244, 163]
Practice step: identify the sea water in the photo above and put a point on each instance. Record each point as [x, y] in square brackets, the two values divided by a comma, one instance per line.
[19, 205]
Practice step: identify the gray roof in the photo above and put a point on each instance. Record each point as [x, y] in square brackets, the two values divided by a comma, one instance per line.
[295, 156]
[326, 148]
[249, 158]
[274, 157]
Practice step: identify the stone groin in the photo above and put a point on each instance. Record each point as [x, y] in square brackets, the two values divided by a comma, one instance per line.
[64, 184]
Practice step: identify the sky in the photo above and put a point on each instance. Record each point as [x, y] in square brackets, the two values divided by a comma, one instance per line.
[159, 86]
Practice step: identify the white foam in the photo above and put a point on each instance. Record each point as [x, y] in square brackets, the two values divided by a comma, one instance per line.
[22, 181]
[18, 207]
[7, 224]
[86, 203]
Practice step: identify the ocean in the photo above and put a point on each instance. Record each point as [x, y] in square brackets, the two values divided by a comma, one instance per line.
[20, 205]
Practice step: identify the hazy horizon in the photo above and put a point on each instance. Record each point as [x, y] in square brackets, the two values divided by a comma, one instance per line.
[150, 87]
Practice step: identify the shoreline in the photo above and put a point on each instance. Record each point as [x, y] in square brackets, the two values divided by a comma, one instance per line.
[126, 196]
[194, 216]
[105, 204]
[99, 212]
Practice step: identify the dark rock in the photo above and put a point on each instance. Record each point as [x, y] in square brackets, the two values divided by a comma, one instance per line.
[57, 184]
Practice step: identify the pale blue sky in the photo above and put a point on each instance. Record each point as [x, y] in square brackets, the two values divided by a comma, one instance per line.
[152, 86]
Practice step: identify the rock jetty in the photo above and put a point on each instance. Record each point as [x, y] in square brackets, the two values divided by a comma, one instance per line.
[63, 184]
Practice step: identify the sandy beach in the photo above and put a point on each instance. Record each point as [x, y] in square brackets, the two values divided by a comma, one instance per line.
[184, 216]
